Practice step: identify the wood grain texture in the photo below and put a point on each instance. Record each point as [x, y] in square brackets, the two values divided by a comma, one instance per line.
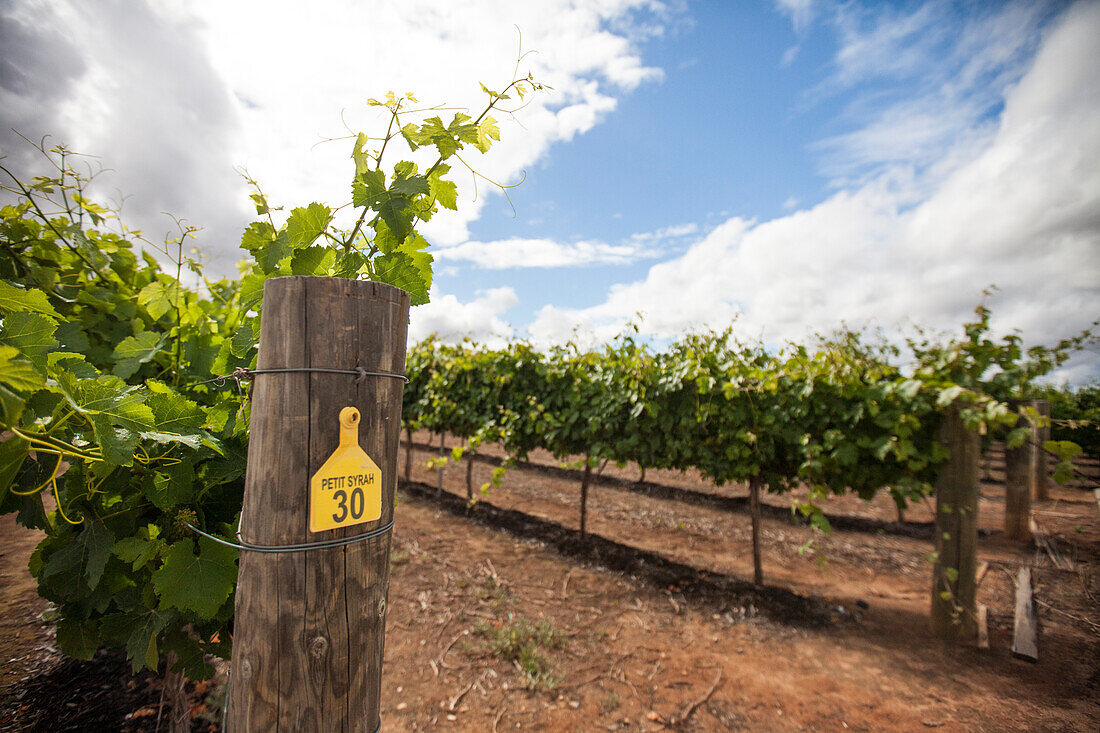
[309, 625]
[755, 514]
[1021, 474]
[584, 493]
[1025, 644]
[954, 587]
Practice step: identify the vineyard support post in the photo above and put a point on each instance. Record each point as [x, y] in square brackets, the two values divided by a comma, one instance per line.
[469, 473]
[584, 491]
[309, 627]
[754, 512]
[1021, 475]
[954, 584]
[1042, 468]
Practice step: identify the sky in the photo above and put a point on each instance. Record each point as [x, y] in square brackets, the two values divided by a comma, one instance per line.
[784, 167]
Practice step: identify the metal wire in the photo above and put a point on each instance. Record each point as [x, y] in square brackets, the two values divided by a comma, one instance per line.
[298, 547]
[360, 374]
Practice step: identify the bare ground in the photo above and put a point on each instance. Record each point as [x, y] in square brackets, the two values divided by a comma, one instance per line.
[650, 623]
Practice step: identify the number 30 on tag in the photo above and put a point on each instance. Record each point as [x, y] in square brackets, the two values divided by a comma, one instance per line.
[347, 490]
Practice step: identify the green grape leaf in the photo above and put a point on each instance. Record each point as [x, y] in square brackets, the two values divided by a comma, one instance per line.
[173, 413]
[11, 406]
[13, 452]
[267, 246]
[384, 239]
[261, 203]
[137, 551]
[199, 583]
[410, 186]
[77, 639]
[252, 290]
[109, 397]
[85, 554]
[117, 444]
[72, 337]
[392, 211]
[139, 630]
[158, 298]
[306, 224]
[257, 236]
[368, 188]
[13, 299]
[445, 192]
[308, 261]
[359, 153]
[401, 270]
[133, 351]
[243, 341]
[487, 131]
[433, 132]
[172, 485]
[17, 373]
[32, 334]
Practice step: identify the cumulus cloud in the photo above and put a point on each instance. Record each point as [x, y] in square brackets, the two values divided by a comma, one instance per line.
[513, 253]
[936, 85]
[174, 95]
[518, 252]
[912, 245]
[450, 319]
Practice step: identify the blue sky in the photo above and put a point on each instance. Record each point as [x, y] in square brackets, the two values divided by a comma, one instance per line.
[782, 166]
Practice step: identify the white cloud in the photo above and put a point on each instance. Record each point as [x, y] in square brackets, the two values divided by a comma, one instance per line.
[519, 252]
[801, 12]
[513, 253]
[1018, 212]
[675, 231]
[451, 320]
[174, 95]
[933, 79]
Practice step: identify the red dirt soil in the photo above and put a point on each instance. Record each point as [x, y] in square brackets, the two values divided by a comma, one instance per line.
[656, 625]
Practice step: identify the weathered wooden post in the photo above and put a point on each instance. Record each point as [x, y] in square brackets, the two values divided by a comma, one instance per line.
[584, 492]
[310, 621]
[954, 586]
[1021, 474]
[754, 512]
[1042, 472]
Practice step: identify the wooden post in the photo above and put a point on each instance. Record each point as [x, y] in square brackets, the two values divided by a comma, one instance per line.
[1025, 630]
[1042, 471]
[309, 627]
[584, 491]
[469, 474]
[1021, 473]
[954, 610]
[754, 512]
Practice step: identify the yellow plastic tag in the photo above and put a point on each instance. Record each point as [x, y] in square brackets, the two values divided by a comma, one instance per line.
[347, 490]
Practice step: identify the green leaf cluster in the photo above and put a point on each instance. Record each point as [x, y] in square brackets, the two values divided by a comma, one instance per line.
[837, 415]
[111, 431]
[391, 201]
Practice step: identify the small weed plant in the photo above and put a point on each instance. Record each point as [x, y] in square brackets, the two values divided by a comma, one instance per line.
[522, 643]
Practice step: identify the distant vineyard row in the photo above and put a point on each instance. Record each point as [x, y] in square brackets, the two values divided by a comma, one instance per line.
[838, 416]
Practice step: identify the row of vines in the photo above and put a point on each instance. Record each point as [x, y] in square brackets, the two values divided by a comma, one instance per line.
[837, 416]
